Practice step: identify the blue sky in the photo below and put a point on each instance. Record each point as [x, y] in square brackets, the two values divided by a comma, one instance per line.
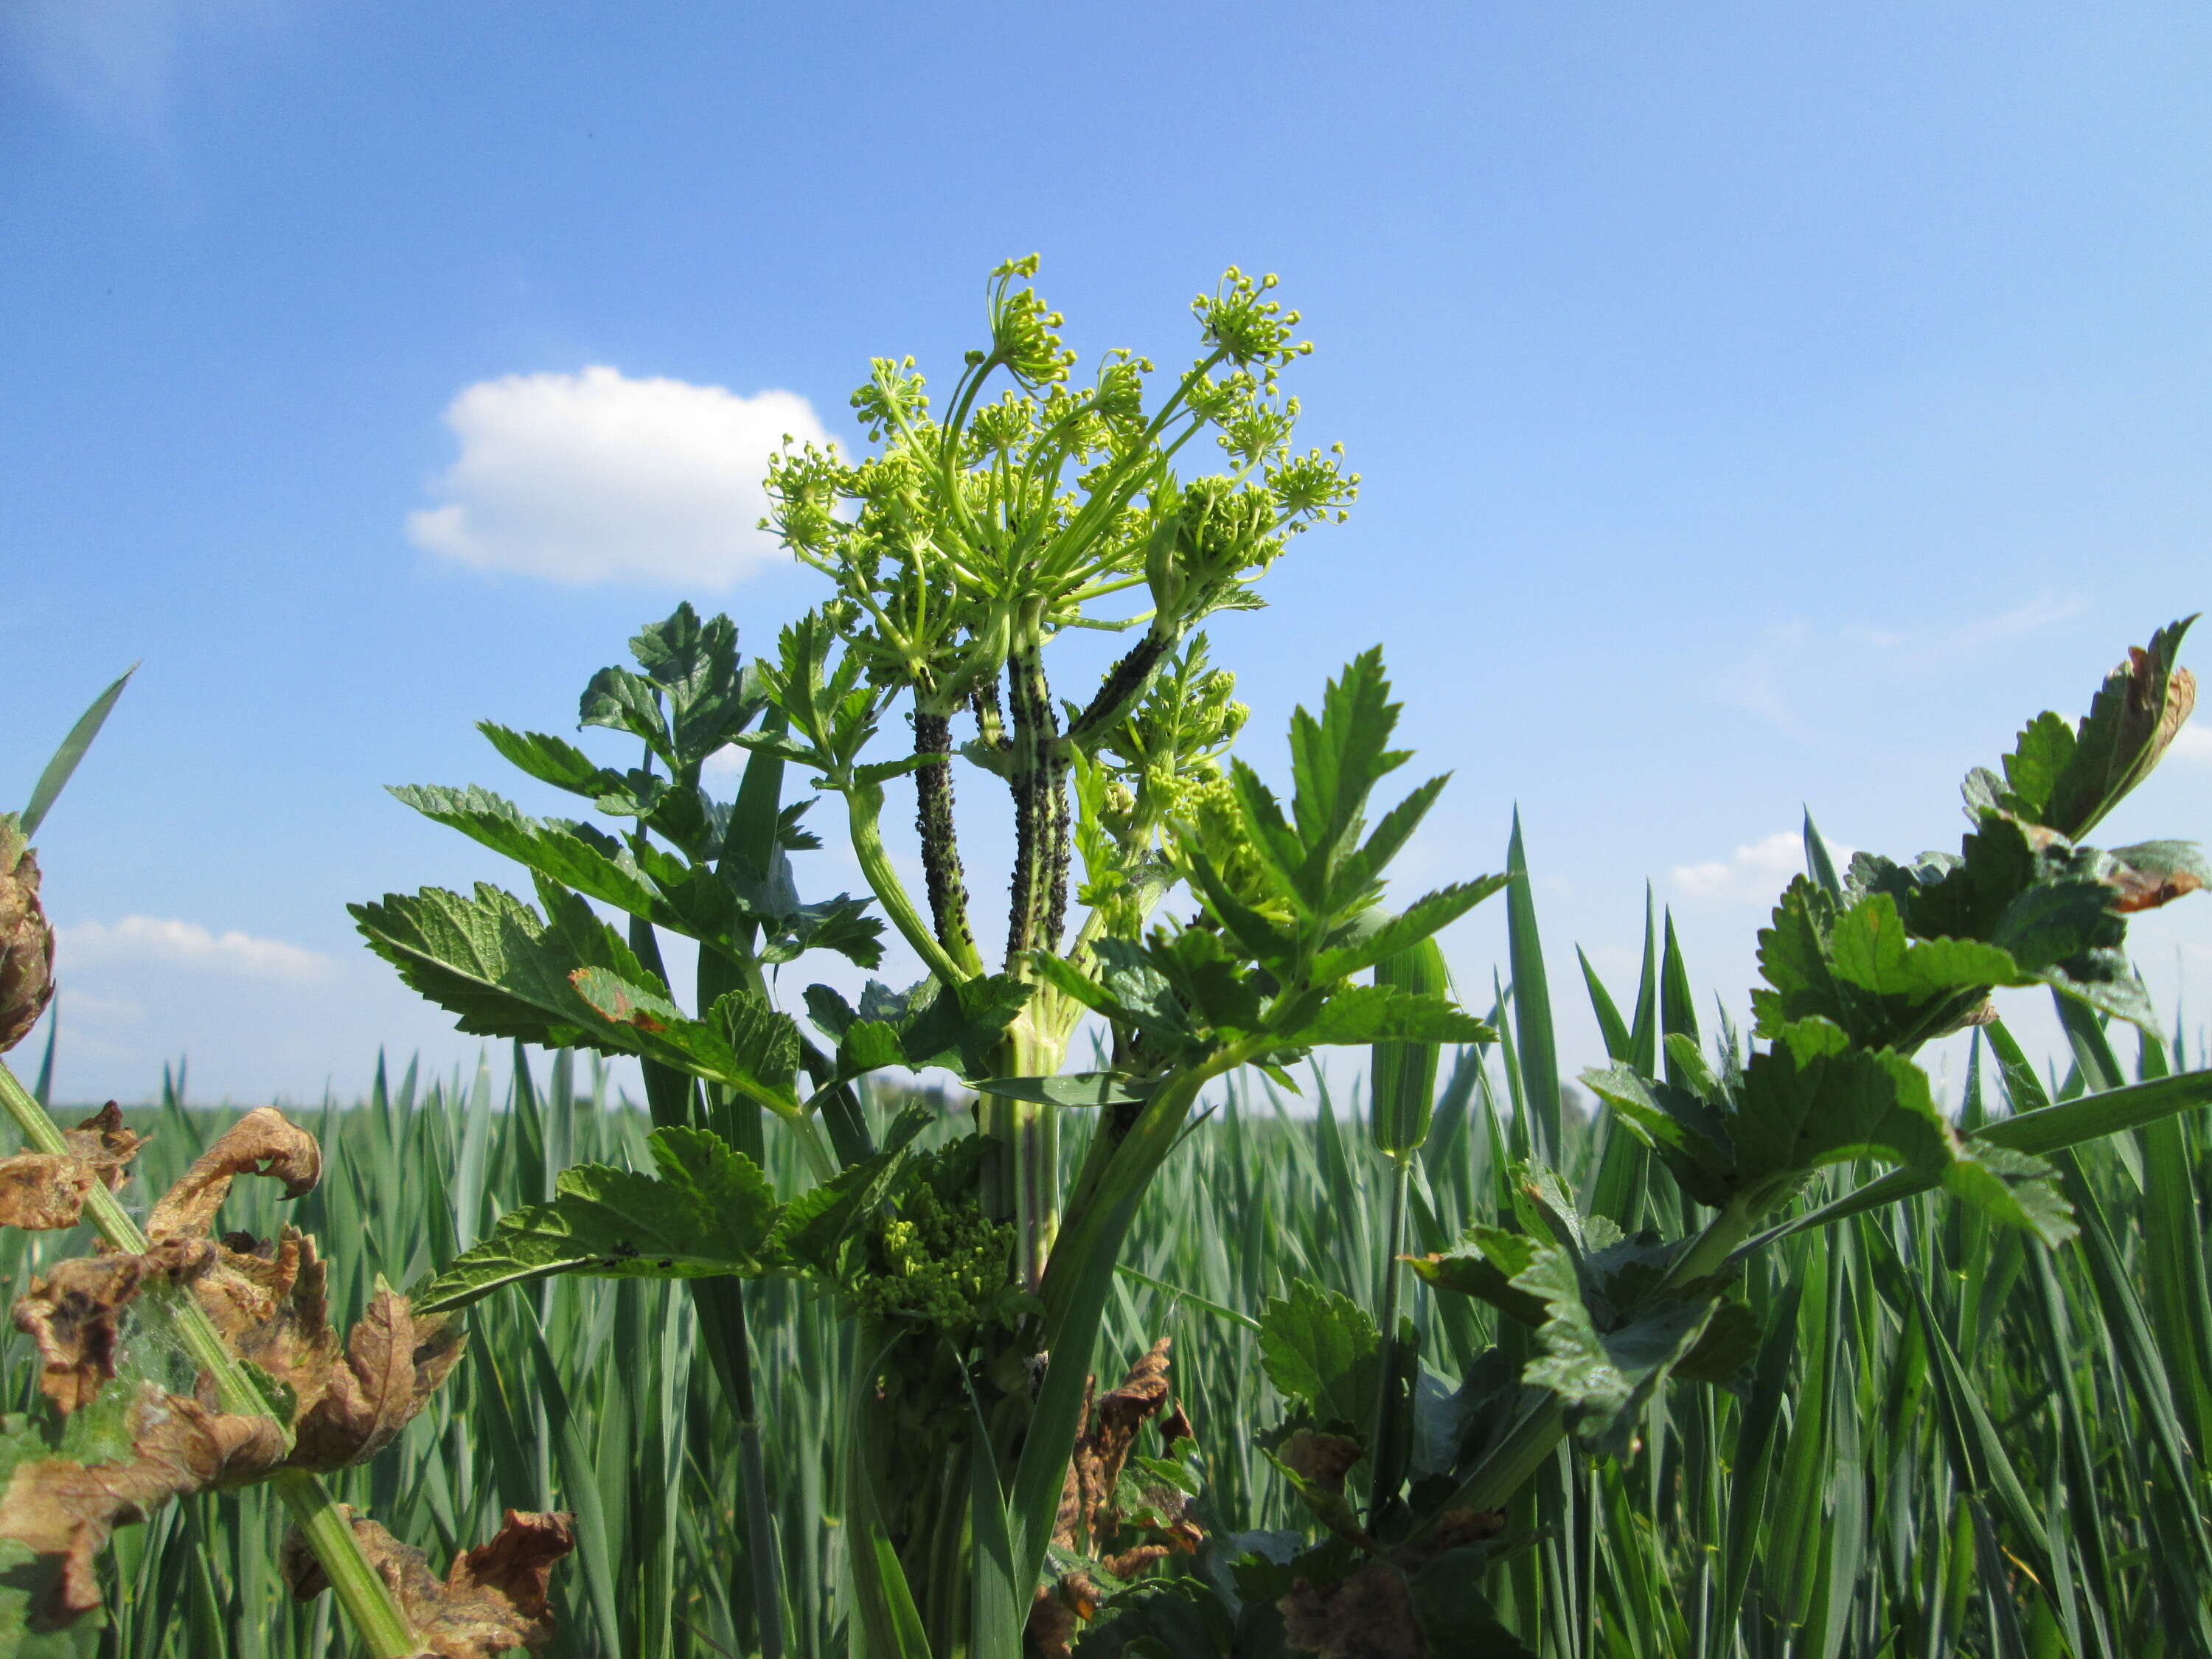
[1759, 406]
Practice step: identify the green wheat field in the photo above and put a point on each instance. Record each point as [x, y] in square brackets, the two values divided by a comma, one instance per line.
[1954, 1441]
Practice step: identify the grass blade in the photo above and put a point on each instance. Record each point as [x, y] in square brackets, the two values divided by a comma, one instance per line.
[48, 788]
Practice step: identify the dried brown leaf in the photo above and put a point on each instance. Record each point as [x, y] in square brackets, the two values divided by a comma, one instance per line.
[2147, 889]
[264, 1142]
[492, 1599]
[1087, 1519]
[1322, 1459]
[26, 943]
[361, 1403]
[41, 1191]
[64, 1510]
[73, 1315]
[272, 1305]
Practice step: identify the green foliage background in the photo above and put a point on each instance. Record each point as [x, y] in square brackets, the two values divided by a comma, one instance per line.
[1971, 1446]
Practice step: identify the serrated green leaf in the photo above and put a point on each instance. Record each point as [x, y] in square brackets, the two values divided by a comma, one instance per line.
[1857, 965]
[2131, 721]
[1382, 1013]
[1812, 1099]
[1484, 1264]
[1869, 949]
[561, 852]
[552, 760]
[1687, 1133]
[1598, 1374]
[957, 1026]
[1729, 1344]
[1319, 1348]
[500, 967]
[694, 662]
[815, 1225]
[1336, 760]
[627, 702]
[868, 1045]
[743, 1043]
[708, 1212]
[1420, 920]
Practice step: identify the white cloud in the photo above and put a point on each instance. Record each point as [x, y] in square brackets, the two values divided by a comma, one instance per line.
[1758, 870]
[1945, 644]
[594, 477]
[153, 940]
[2193, 744]
[101, 1011]
[1794, 659]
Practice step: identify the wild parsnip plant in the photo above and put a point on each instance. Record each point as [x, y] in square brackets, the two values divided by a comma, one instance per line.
[1772, 1357]
[959, 552]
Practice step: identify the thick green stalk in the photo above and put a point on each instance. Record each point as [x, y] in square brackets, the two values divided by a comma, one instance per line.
[940, 842]
[864, 808]
[367, 1602]
[1076, 1282]
[1390, 1436]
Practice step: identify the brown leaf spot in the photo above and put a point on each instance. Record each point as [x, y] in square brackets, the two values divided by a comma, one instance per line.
[492, 1601]
[623, 1010]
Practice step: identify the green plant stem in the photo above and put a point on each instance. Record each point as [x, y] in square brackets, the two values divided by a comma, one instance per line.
[721, 1305]
[1076, 1282]
[864, 808]
[1390, 1407]
[367, 1602]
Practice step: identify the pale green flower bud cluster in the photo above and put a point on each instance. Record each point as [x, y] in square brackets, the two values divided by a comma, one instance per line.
[941, 1263]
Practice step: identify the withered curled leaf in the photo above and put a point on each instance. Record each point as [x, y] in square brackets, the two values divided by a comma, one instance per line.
[41, 1191]
[73, 1314]
[62, 1510]
[1090, 1521]
[272, 1305]
[264, 1142]
[492, 1599]
[26, 943]
[268, 1302]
